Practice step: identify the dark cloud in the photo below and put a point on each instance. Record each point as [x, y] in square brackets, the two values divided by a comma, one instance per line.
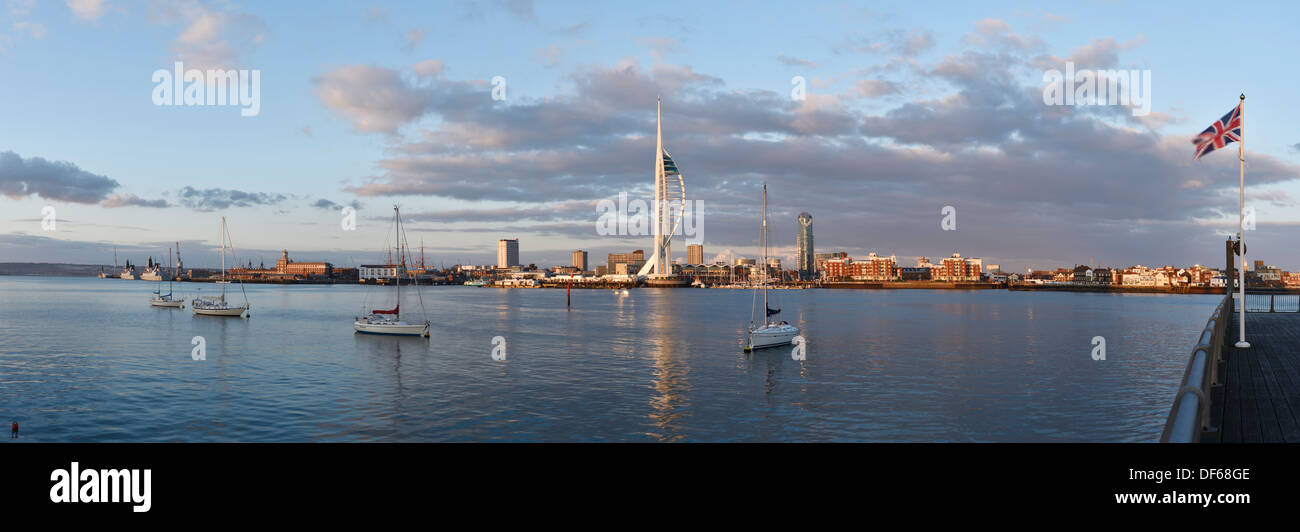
[212, 199]
[51, 180]
[329, 205]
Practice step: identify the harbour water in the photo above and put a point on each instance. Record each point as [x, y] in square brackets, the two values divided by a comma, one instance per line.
[90, 360]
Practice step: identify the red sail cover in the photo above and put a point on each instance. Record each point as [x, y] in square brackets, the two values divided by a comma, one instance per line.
[394, 311]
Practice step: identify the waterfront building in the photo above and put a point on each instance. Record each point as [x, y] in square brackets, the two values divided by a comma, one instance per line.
[285, 269]
[636, 258]
[875, 268]
[805, 262]
[819, 261]
[580, 260]
[959, 269]
[695, 254]
[373, 272]
[507, 252]
[837, 268]
[914, 274]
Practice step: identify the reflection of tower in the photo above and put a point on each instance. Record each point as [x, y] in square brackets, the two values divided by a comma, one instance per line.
[669, 189]
[806, 263]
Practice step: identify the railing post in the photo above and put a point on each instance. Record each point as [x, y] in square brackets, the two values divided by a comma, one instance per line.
[1270, 302]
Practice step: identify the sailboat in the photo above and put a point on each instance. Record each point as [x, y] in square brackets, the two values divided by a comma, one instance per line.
[771, 333]
[160, 299]
[217, 306]
[380, 321]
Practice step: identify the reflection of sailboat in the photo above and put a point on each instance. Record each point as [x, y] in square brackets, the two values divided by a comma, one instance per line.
[772, 333]
[390, 321]
[160, 299]
[217, 306]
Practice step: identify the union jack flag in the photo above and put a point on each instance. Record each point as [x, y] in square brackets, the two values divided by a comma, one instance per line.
[1226, 130]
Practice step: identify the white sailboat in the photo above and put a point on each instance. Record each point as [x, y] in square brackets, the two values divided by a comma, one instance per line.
[218, 306]
[771, 333]
[381, 321]
[168, 300]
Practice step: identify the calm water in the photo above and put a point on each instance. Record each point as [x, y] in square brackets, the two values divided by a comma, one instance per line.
[90, 360]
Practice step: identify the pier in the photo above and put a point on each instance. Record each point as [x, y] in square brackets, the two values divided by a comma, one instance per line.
[1233, 395]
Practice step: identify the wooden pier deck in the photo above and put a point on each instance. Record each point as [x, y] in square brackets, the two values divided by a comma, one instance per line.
[1259, 400]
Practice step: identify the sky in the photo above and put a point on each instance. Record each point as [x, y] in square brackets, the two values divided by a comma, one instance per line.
[513, 119]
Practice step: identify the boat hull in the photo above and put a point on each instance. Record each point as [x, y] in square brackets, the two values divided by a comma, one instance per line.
[772, 336]
[227, 312]
[165, 303]
[396, 329]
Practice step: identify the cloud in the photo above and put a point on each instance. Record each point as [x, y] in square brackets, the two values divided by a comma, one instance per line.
[521, 9]
[211, 38]
[212, 199]
[995, 33]
[660, 46]
[794, 61]
[430, 68]
[52, 180]
[413, 38]
[549, 55]
[904, 44]
[875, 88]
[574, 29]
[89, 10]
[373, 99]
[35, 29]
[331, 206]
[131, 200]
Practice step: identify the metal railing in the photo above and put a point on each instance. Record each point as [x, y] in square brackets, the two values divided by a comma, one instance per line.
[1272, 302]
[1190, 414]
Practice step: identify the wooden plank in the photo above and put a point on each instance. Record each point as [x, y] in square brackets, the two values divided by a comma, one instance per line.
[1261, 393]
[1284, 360]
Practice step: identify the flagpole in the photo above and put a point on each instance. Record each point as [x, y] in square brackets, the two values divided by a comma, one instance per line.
[1241, 226]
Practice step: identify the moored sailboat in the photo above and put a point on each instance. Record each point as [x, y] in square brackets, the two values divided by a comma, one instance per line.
[771, 333]
[218, 306]
[389, 321]
[168, 300]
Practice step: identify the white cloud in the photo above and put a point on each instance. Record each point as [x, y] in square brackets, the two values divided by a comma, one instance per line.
[90, 10]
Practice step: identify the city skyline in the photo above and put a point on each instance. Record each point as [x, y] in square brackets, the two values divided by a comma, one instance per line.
[903, 116]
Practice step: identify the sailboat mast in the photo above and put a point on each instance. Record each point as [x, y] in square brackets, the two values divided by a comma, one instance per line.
[397, 237]
[764, 264]
[223, 258]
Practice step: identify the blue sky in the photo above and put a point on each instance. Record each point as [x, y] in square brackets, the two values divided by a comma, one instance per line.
[911, 107]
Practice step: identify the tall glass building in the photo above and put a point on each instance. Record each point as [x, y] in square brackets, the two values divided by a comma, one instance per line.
[806, 263]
